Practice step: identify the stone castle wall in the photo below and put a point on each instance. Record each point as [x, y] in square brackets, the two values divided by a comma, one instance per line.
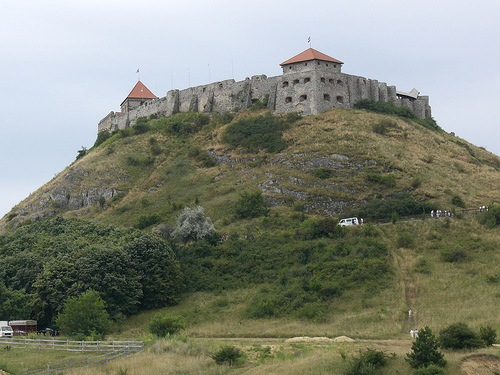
[310, 92]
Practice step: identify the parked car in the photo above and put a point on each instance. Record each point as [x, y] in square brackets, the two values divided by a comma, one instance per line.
[349, 221]
[5, 329]
[48, 331]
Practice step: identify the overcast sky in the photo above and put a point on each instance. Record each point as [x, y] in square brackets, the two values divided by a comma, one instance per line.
[65, 64]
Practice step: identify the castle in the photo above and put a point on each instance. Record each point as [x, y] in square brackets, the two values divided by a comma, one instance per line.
[311, 83]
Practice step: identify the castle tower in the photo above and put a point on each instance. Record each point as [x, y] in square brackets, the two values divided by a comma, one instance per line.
[139, 94]
[312, 83]
[310, 59]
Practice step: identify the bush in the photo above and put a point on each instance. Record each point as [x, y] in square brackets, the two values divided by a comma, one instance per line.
[458, 201]
[323, 173]
[459, 336]
[227, 354]
[425, 351]
[163, 325]
[145, 221]
[84, 315]
[366, 362]
[488, 335]
[102, 136]
[256, 133]
[453, 255]
[251, 205]
[388, 180]
[405, 239]
[491, 217]
[383, 126]
[193, 225]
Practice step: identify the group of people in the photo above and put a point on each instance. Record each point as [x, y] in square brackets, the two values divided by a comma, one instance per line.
[414, 333]
[483, 209]
[439, 213]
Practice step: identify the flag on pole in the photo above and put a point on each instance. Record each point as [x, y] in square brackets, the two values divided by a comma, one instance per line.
[309, 40]
[137, 71]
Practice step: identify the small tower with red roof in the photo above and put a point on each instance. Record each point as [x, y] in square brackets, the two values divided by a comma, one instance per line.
[139, 94]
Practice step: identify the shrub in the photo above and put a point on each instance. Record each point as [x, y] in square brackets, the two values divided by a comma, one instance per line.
[227, 354]
[453, 255]
[491, 217]
[366, 362]
[251, 205]
[459, 336]
[457, 201]
[256, 133]
[323, 173]
[145, 221]
[405, 239]
[488, 335]
[383, 126]
[416, 182]
[388, 180]
[193, 225]
[163, 325]
[84, 315]
[81, 153]
[102, 136]
[425, 351]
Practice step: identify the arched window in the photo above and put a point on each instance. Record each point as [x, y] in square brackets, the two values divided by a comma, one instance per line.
[284, 84]
[288, 99]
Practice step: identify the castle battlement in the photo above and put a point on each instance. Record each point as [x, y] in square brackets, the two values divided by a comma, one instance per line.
[311, 83]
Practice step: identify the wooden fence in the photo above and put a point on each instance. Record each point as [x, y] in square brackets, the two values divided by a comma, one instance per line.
[112, 350]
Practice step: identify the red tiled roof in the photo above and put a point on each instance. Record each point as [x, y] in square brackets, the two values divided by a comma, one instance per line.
[310, 54]
[141, 92]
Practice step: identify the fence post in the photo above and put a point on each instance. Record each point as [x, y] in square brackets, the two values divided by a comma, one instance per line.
[82, 346]
[48, 368]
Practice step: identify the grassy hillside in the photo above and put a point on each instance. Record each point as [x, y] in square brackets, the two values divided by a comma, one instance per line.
[278, 266]
[332, 162]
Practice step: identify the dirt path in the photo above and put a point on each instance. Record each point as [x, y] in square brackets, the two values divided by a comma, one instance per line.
[481, 365]
[407, 284]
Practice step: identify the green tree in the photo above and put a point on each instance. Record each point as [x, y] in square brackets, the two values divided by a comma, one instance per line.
[251, 205]
[425, 351]
[163, 325]
[158, 271]
[193, 225]
[84, 315]
[14, 304]
[112, 273]
[57, 282]
[459, 336]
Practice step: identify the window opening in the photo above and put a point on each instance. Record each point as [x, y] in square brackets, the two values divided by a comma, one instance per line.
[303, 98]
[326, 97]
[288, 99]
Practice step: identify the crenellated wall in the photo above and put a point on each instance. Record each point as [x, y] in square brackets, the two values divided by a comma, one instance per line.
[309, 91]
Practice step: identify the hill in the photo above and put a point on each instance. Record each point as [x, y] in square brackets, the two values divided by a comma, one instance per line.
[277, 265]
[329, 163]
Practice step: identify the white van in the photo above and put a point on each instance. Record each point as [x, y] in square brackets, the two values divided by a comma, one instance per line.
[5, 329]
[349, 221]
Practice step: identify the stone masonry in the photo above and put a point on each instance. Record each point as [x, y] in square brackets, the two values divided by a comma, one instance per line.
[311, 83]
